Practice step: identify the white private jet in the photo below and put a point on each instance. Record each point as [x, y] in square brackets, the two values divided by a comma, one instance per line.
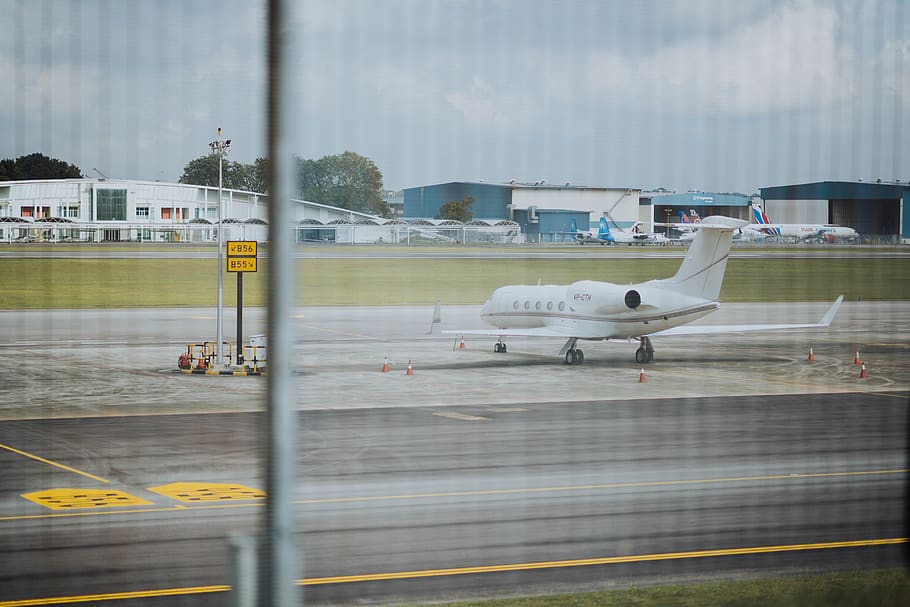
[601, 311]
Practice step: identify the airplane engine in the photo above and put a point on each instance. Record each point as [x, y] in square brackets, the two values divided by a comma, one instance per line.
[601, 298]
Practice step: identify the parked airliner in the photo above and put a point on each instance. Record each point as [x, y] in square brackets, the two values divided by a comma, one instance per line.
[634, 235]
[800, 231]
[601, 311]
[602, 237]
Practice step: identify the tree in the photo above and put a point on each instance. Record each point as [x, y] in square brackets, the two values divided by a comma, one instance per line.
[259, 175]
[235, 175]
[460, 211]
[348, 180]
[37, 166]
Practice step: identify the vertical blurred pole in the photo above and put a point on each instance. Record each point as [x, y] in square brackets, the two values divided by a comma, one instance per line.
[220, 321]
[280, 561]
[243, 571]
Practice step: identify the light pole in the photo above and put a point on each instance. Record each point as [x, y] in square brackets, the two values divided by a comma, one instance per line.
[220, 147]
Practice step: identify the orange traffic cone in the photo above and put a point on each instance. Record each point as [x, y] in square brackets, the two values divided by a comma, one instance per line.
[862, 371]
[811, 355]
[856, 360]
[641, 377]
[410, 370]
[462, 343]
[385, 364]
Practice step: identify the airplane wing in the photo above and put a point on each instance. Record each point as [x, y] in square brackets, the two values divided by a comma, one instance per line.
[535, 332]
[715, 329]
[568, 333]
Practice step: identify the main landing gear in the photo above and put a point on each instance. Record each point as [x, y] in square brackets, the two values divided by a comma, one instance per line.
[645, 352]
[574, 356]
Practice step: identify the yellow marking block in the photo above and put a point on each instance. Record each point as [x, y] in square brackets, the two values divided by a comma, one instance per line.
[193, 493]
[69, 499]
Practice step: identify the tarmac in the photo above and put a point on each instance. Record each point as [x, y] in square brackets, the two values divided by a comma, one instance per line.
[76, 363]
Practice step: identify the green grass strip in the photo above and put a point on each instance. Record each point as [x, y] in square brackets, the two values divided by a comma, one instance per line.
[874, 588]
[36, 283]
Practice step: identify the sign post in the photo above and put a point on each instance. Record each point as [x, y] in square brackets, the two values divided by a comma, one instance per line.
[241, 257]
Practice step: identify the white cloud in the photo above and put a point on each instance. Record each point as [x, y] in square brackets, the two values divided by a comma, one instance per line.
[787, 60]
[482, 105]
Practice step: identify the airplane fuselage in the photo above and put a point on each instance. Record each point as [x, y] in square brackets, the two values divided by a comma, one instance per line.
[593, 310]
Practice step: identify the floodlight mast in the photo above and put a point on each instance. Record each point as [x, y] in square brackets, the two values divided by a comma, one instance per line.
[220, 147]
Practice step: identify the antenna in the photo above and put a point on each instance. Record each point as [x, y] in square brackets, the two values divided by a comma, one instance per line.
[103, 176]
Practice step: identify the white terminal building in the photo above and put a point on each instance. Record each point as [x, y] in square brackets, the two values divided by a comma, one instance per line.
[121, 210]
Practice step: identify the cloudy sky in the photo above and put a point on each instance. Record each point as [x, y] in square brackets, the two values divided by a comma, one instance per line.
[688, 94]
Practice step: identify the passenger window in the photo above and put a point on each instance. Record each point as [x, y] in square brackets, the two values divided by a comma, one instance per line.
[549, 305]
[515, 305]
[537, 306]
[562, 306]
[527, 305]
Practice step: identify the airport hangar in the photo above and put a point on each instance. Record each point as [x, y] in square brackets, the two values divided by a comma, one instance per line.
[875, 210]
[665, 206]
[544, 212]
[96, 210]
[118, 210]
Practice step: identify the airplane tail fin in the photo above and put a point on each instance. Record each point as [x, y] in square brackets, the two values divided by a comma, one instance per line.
[758, 213]
[702, 271]
[604, 232]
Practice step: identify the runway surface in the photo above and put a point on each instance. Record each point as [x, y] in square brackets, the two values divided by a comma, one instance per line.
[526, 491]
[480, 475]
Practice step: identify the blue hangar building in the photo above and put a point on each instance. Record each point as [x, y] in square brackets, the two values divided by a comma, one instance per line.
[877, 211]
[667, 206]
[545, 212]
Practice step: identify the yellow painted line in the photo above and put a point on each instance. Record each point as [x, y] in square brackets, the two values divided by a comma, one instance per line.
[336, 332]
[900, 395]
[504, 568]
[116, 596]
[610, 560]
[370, 498]
[810, 388]
[55, 464]
[635, 484]
[175, 508]
[461, 416]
